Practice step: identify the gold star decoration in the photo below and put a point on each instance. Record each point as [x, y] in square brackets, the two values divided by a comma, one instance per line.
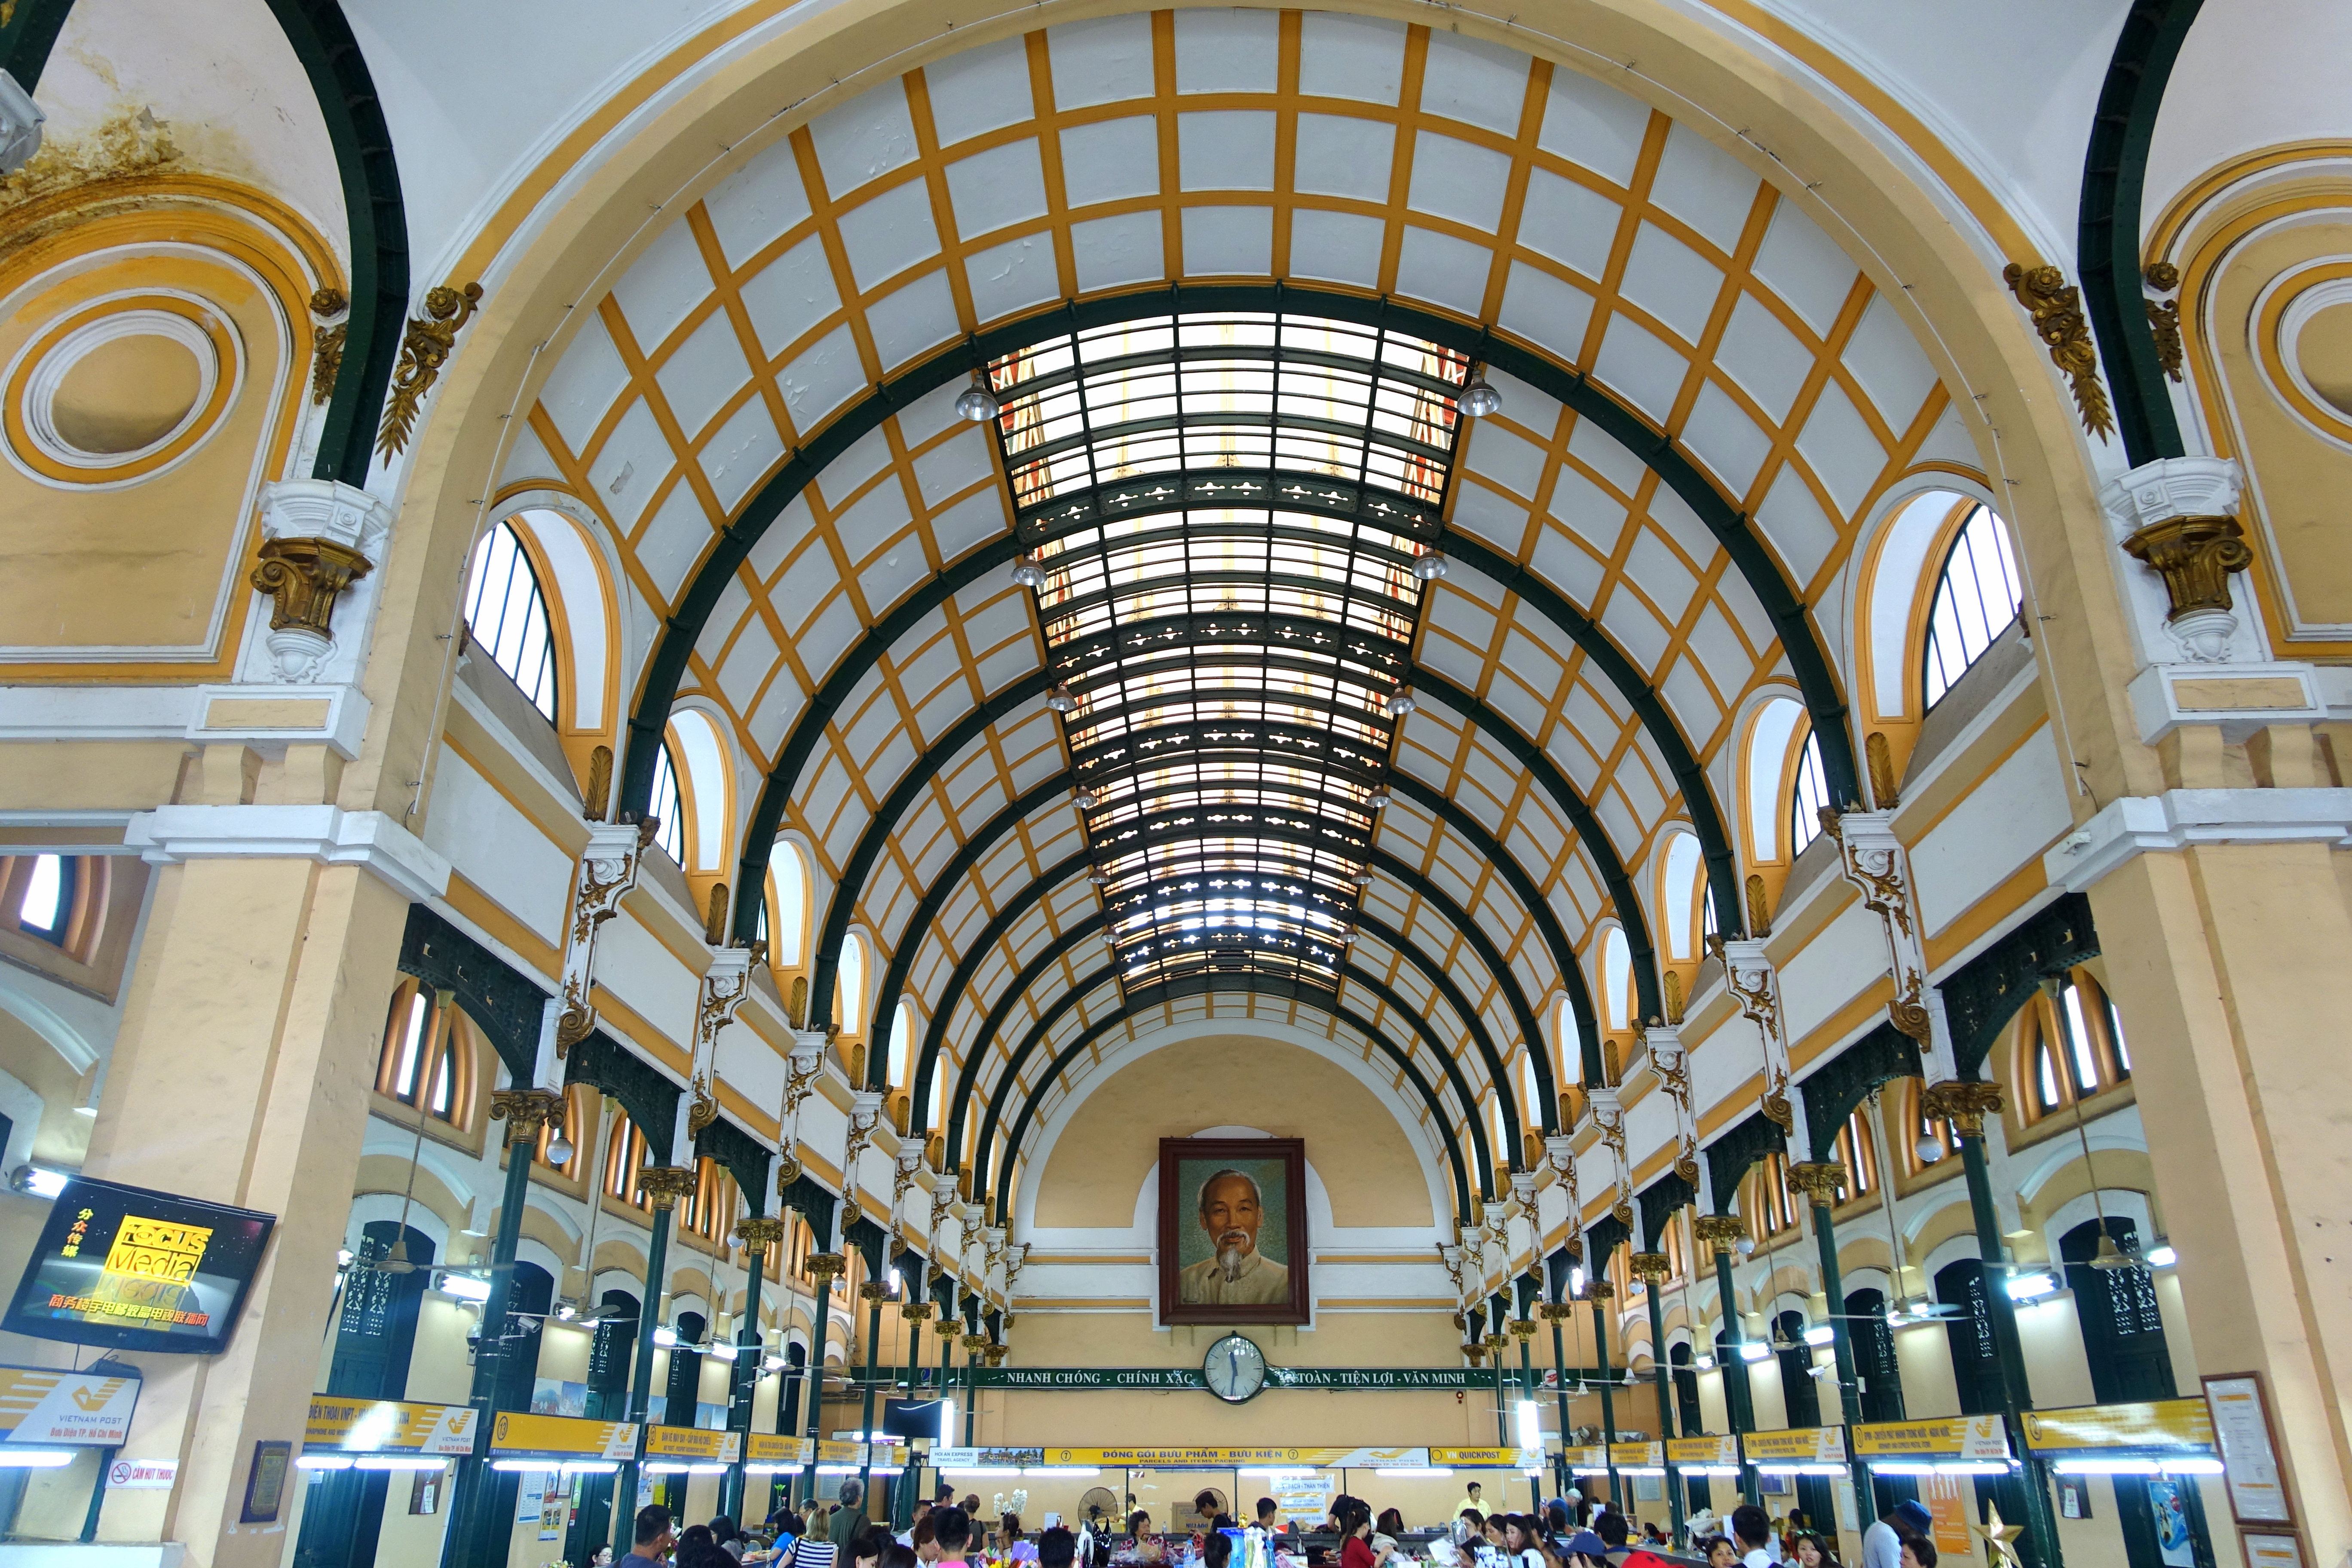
[1995, 1538]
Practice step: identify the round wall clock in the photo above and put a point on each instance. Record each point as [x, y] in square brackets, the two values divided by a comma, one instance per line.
[1234, 1368]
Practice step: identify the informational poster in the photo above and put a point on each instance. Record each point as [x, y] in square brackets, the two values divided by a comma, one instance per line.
[2175, 1542]
[1306, 1499]
[2272, 1549]
[555, 1506]
[528, 1495]
[424, 1492]
[2242, 1429]
[1952, 1500]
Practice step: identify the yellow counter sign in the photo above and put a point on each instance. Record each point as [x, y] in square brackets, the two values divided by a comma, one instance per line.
[388, 1426]
[692, 1443]
[520, 1434]
[1944, 1437]
[2155, 1423]
[772, 1448]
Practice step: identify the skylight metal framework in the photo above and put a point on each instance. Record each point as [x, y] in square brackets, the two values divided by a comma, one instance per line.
[1223, 511]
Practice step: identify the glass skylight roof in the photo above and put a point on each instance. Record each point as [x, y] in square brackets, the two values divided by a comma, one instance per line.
[1226, 510]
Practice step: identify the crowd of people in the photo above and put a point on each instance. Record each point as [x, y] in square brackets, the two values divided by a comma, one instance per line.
[1570, 1532]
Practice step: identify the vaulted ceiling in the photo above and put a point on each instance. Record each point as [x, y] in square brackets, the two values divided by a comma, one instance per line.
[1701, 396]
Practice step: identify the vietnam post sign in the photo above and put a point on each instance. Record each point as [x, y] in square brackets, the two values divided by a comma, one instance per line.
[388, 1426]
[46, 1404]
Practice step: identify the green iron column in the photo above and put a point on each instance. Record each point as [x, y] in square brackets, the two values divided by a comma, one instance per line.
[757, 1235]
[875, 1291]
[663, 1186]
[1523, 1330]
[1555, 1313]
[823, 1269]
[1651, 1268]
[1965, 1105]
[1494, 1344]
[916, 1312]
[1599, 1291]
[1818, 1182]
[476, 1524]
[1724, 1232]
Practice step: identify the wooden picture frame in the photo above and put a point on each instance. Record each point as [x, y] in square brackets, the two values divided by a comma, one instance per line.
[265, 1481]
[1190, 1268]
[2252, 1475]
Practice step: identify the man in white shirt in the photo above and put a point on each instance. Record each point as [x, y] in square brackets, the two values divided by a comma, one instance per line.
[1882, 1543]
[1753, 1533]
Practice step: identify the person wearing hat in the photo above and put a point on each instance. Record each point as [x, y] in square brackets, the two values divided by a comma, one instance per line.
[1882, 1543]
[1585, 1550]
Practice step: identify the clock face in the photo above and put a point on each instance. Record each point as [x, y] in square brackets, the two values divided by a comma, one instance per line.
[1234, 1368]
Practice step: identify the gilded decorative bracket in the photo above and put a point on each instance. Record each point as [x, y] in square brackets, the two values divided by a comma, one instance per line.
[2164, 316]
[1609, 1117]
[2056, 307]
[1754, 982]
[424, 348]
[607, 870]
[1671, 1062]
[1875, 862]
[330, 306]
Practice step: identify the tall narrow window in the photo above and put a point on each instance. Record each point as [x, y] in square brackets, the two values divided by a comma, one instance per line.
[507, 614]
[1568, 1039]
[902, 1039]
[425, 1061]
[2070, 1043]
[1808, 797]
[1857, 1152]
[1977, 597]
[849, 986]
[792, 907]
[668, 807]
[625, 1156]
[47, 909]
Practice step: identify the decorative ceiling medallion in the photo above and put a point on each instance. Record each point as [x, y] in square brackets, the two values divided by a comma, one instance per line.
[120, 389]
[2299, 333]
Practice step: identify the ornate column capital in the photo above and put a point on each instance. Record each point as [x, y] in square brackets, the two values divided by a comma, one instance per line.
[665, 1185]
[1522, 1329]
[1555, 1311]
[826, 1267]
[1818, 1182]
[915, 1311]
[974, 1344]
[760, 1231]
[1599, 1291]
[1720, 1229]
[526, 1111]
[1651, 1267]
[320, 536]
[995, 1355]
[1962, 1103]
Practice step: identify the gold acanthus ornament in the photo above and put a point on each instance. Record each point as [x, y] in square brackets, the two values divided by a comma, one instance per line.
[758, 1232]
[788, 1169]
[1721, 1231]
[993, 1354]
[1597, 1290]
[1555, 1311]
[526, 1111]
[304, 578]
[2195, 556]
[1818, 1181]
[826, 1267]
[424, 348]
[665, 1185]
[1908, 1014]
[326, 341]
[702, 1110]
[1963, 1102]
[2164, 316]
[2056, 308]
[1649, 1267]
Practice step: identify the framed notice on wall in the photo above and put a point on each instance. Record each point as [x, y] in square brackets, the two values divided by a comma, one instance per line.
[2241, 1430]
[2273, 1548]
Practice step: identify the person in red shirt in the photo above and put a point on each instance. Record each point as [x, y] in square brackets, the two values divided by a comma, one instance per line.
[1355, 1552]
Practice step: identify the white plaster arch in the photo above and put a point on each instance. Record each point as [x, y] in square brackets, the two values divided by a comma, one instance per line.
[20, 998]
[369, 1208]
[2120, 1202]
[2118, 1131]
[1048, 1128]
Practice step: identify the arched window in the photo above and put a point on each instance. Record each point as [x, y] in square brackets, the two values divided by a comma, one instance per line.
[1765, 1205]
[1977, 597]
[2070, 1046]
[1616, 979]
[708, 1211]
[669, 807]
[1807, 794]
[1771, 735]
[1680, 891]
[507, 616]
[1857, 1152]
[47, 909]
[57, 899]
[625, 1155]
[791, 948]
[902, 1040]
[426, 1059]
[849, 986]
[1567, 1040]
[1531, 1103]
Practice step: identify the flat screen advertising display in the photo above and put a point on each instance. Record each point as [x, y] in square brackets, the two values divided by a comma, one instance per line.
[131, 1269]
